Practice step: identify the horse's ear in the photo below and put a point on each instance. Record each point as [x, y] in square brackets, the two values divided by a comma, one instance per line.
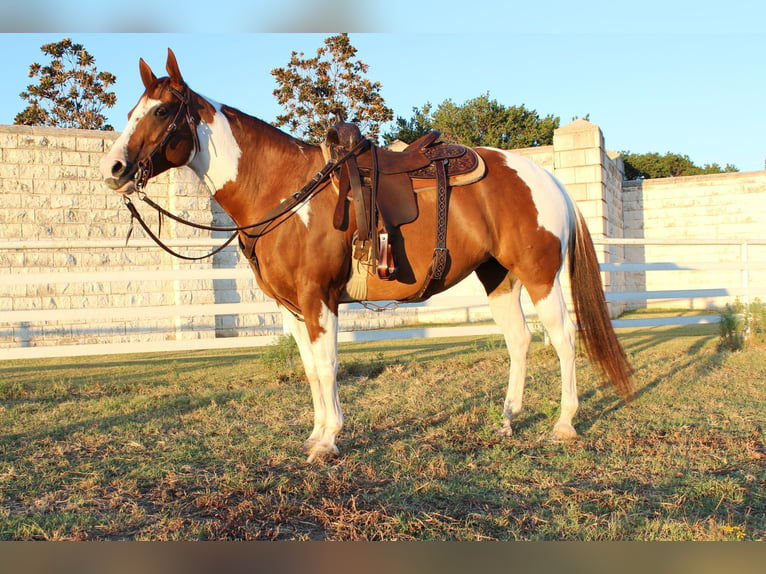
[173, 72]
[147, 76]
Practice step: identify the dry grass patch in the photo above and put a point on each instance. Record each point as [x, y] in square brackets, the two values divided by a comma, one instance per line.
[206, 445]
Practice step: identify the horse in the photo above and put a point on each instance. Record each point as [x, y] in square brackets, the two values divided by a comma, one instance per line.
[516, 226]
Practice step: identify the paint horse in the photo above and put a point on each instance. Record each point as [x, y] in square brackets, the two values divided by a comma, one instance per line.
[515, 227]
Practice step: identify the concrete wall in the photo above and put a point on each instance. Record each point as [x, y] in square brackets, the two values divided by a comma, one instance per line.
[51, 191]
[593, 175]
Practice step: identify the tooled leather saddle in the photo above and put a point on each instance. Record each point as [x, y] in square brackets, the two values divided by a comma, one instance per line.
[381, 185]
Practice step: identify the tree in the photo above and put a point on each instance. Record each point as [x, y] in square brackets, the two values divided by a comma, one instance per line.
[480, 121]
[408, 131]
[71, 92]
[653, 165]
[314, 91]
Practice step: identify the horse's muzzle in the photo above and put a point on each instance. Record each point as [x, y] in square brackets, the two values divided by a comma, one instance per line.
[122, 177]
[126, 188]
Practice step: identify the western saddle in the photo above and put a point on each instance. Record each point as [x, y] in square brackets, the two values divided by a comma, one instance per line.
[380, 185]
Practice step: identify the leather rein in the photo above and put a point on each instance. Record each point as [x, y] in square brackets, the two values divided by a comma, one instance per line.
[268, 223]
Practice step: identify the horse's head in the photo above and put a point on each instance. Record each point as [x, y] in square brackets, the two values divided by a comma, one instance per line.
[161, 131]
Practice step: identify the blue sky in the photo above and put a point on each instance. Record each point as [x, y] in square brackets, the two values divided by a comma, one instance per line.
[683, 77]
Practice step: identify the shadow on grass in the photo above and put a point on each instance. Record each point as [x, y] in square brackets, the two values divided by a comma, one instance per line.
[169, 410]
[692, 362]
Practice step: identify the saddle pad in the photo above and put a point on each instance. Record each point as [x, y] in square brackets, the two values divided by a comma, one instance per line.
[427, 184]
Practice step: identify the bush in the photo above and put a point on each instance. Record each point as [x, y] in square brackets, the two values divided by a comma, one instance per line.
[742, 323]
[282, 359]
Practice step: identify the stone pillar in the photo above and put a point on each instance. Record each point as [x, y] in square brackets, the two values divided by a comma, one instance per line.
[577, 151]
[593, 177]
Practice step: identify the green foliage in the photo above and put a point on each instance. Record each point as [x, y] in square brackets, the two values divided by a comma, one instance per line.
[312, 90]
[71, 92]
[481, 121]
[654, 165]
[282, 360]
[408, 131]
[732, 330]
[742, 323]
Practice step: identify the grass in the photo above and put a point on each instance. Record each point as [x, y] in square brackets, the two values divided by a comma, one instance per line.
[206, 445]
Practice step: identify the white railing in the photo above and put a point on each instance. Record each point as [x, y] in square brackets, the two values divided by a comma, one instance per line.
[468, 302]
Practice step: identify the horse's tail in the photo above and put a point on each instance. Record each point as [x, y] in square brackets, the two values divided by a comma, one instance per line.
[593, 319]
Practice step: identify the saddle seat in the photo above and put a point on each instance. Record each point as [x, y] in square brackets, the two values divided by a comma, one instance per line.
[381, 184]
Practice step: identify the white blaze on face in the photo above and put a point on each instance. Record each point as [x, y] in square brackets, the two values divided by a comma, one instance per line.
[217, 163]
[119, 150]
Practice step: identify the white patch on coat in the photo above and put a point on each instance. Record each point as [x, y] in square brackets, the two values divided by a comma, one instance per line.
[303, 210]
[555, 209]
[217, 162]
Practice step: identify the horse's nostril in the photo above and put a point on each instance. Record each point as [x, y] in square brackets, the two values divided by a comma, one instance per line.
[118, 168]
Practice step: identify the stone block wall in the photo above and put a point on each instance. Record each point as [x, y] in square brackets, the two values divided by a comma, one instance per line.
[723, 206]
[51, 195]
[593, 175]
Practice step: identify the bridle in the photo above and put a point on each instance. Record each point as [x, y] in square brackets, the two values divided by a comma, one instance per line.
[145, 168]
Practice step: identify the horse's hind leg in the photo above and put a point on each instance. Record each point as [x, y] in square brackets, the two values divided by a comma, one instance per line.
[504, 295]
[553, 313]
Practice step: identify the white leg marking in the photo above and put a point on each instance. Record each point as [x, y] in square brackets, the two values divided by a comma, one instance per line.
[554, 316]
[300, 334]
[320, 360]
[507, 312]
[325, 349]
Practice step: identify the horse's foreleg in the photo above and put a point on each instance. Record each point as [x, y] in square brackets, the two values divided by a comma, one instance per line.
[505, 305]
[299, 332]
[318, 343]
[325, 347]
[555, 317]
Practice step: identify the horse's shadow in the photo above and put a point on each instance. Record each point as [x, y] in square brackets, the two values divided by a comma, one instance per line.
[598, 402]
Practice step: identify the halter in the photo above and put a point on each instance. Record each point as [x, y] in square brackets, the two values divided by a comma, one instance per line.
[145, 166]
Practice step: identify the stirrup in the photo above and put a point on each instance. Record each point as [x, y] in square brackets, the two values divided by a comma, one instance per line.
[386, 266]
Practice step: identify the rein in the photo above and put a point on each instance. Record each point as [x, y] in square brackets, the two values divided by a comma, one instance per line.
[255, 231]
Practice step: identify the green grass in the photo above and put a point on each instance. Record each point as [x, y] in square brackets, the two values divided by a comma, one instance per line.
[206, 445]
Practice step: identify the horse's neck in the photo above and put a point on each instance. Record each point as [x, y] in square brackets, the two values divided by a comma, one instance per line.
[217, 161]
[245, 161]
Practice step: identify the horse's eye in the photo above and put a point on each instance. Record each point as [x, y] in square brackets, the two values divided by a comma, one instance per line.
[161, 112]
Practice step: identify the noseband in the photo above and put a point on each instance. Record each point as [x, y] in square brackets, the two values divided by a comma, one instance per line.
[145, 169]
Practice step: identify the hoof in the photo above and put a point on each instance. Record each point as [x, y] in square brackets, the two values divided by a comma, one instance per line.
[504, 431]
[309, 444]
[320, 452]
[563, 432]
